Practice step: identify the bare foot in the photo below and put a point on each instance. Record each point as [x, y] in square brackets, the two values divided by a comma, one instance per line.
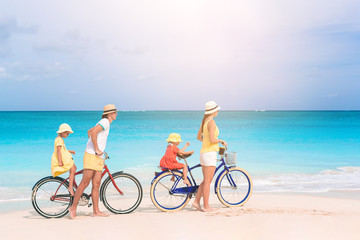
[71, 190]
[100, 214]
[197, 206]
[210, 209]
[186, 181]
[72, 213]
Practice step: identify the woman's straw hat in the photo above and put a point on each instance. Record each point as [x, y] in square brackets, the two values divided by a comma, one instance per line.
[64, 128]
[174, 137]
[211, 107]
[110, 108]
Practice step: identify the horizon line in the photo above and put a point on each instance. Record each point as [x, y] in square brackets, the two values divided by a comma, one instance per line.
[227, 110]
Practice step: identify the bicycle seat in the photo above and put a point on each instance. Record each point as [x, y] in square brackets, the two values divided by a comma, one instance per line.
[183, 156]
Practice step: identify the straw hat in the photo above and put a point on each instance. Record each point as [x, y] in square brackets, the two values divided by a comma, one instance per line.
[211, 107]
[110, 108]
[174, 137]
[64, 128]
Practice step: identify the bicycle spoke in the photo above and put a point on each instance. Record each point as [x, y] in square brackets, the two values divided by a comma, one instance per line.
[126, 202]
[162, 195]
[42, 198]
[230, 195]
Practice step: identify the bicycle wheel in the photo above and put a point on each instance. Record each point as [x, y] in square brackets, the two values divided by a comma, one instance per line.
[162, 195]
[44, 200]
[114, 201]
[234, 187]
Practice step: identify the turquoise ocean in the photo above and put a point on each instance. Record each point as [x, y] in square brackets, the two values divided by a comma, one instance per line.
[284, 151]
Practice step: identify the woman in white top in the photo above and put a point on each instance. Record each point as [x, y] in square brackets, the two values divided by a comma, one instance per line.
[93, 160]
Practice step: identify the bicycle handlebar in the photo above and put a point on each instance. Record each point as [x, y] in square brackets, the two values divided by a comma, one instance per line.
[105, 155]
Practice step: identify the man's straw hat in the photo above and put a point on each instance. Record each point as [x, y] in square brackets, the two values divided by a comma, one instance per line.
[110, 108]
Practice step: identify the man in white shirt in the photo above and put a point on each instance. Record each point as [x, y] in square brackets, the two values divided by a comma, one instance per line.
[93, 161]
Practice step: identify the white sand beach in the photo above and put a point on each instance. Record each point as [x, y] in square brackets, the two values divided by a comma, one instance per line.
[264, 216]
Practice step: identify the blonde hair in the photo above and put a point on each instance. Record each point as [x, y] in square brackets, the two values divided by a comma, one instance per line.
[203, 121]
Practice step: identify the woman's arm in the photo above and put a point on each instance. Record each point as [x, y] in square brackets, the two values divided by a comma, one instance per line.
[200, 135]
[93, 134]
[58, 151]
[211, 129]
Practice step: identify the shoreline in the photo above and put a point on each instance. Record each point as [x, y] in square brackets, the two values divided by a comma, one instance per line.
[264, 216]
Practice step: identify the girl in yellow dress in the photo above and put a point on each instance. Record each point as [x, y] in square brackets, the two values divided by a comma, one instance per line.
[61, 160]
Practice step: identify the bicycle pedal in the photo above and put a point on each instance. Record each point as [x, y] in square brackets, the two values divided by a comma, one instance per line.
[90, 204]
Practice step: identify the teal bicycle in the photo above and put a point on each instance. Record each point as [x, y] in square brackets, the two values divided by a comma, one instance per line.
[233, 185]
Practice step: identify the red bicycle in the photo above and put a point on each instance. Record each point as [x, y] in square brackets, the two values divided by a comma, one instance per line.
[120, 193]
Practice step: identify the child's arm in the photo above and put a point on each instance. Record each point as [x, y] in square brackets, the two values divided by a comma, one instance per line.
[58, 150]
[186, 145]
[182, 151]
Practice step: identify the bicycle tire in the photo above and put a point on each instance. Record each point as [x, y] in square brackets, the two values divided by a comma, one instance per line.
[42, 193]
[161, 196]
[232, 196]
[114, 201]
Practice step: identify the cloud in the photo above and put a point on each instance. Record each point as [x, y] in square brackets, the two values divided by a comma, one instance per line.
[135, 50]
[31, 71]
[9, 26]
[70, 42]
[276, 54]
[2, 73]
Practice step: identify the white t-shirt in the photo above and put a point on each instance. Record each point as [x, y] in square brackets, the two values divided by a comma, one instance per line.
[101, 137]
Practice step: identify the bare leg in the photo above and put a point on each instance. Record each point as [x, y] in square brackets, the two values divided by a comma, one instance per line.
[96, 180]
[87, 176]
[199, 195]
[204, 189]
[186, 181]
[71, 179]
[208, 172]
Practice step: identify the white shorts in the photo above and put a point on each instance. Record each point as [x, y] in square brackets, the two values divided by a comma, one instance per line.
[208, 159]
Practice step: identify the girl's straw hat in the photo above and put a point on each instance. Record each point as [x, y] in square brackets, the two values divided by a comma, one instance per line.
[64, 128]
[211, 107]
[110, 108]
[174, 137]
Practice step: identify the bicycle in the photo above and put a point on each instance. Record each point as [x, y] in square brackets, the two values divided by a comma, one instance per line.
[233, 185]
[52, 199]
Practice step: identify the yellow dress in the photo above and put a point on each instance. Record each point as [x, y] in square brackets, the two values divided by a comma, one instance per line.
[66, 157]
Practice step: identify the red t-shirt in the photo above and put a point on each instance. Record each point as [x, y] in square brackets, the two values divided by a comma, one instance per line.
[169, 159]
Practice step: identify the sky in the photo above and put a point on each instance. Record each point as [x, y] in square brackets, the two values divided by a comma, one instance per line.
[177, 55]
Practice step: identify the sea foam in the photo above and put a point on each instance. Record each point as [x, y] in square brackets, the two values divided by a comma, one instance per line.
[342, 178]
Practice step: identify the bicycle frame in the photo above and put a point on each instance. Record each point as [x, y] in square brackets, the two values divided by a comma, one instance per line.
[64, 197]
[193, 189]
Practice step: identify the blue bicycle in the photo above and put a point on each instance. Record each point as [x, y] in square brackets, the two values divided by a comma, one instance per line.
[233, 185]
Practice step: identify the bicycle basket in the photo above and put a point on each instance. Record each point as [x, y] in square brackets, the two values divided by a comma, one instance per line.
[230, 158]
